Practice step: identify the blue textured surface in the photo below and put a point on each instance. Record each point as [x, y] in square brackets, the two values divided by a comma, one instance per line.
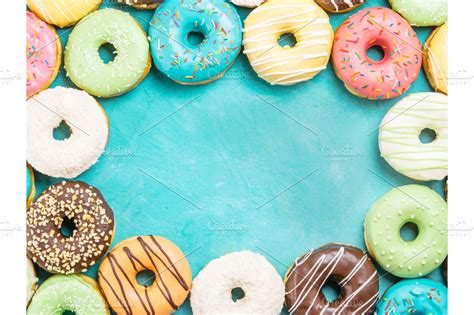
[239, 164]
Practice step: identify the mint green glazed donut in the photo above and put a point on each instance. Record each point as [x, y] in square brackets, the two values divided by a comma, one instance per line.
[73, 293]
[132, 60]
[422, 12]
[408, 204]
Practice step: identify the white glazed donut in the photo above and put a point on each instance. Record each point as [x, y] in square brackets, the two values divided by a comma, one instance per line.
[248, 3]
[400, 130]
[263, 287]
[87, 121]
[31, 280]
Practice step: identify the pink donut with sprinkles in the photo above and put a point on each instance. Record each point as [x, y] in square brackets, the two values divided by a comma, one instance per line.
[395, 72]
[43, 54]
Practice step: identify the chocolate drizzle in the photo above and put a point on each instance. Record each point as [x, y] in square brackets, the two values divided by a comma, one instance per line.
[348, 266]
[136, 255]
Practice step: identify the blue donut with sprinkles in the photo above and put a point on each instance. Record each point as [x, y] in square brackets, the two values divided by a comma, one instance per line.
[214, 23]
[414, 296]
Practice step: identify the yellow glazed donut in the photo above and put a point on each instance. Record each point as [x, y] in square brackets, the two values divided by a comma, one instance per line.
[435, 61]
[288, 65]
[62, 13]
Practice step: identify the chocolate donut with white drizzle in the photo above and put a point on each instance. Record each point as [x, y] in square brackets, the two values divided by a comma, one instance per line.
[348, 266]
[339, 6]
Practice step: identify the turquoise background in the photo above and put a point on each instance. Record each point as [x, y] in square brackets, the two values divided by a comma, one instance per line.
[239, 164]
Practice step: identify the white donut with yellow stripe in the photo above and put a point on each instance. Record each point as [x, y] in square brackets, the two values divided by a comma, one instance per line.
[399, 136]
[288, 65]
[63, 13]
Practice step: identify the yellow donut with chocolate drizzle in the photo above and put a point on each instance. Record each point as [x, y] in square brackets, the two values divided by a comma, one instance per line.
[171, 282]
[278, 65]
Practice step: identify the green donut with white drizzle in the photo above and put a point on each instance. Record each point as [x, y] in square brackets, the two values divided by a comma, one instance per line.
[399, 136]
[414, 204]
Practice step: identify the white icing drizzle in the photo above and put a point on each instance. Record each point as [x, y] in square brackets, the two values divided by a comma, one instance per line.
[282, 65]
[399, 136]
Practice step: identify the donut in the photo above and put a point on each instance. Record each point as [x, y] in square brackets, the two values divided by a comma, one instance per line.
[43, 54]
[395, 72]
[93, 222]
[348, 266]
[248, 3]
[339, 6]
[421, 12]
[399, 136]
[170, 287]
[435, 62]
[30, 186]
[86, 120]
[191, 63]
[446, 189]
[62, 13]
[261, 284]
[130, 65]
[74, 294]
[415, 296]
[278, 65]
[414, 204]
[142, 4]
[31, 280]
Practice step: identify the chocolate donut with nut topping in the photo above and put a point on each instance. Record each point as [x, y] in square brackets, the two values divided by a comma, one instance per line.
[92, 235]
[348, 266]
[142, 4]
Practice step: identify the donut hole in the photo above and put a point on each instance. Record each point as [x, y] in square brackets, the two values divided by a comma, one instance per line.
[409, 232]
[68, 227]
[287, 39]
[107, 52]
[331, 290]
[376, 53]
[145, 278]
[62, 131]
[427, 135]
[68, 312]
[195, 38]
[237, 294]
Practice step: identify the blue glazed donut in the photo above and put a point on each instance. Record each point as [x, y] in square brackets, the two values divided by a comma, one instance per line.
[195, 63]
[414, 296]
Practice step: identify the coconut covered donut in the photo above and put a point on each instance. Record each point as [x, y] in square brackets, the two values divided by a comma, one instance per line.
[93, 222]
[87, 121]
[278, 65]
[263, 288]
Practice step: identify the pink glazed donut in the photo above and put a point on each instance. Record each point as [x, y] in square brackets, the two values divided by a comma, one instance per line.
[395, 72]
[43, 54]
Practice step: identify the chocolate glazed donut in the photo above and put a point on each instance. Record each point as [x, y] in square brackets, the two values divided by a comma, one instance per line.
[339, 6]
[142, 4]
[348, 266]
